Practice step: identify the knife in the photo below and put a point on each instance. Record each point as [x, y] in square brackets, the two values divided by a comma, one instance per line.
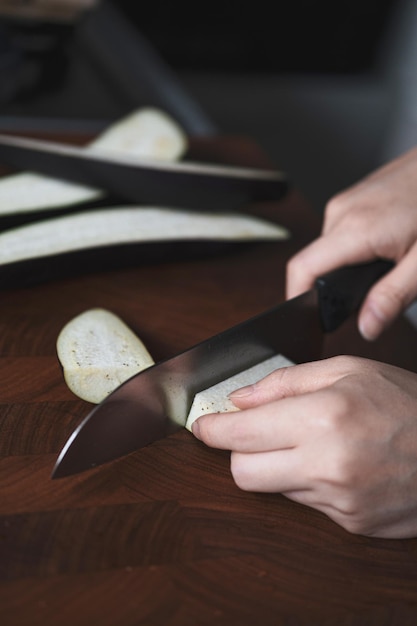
[168, 183]
[156, 402]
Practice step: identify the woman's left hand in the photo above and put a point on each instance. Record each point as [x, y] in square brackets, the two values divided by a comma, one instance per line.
[339, 435]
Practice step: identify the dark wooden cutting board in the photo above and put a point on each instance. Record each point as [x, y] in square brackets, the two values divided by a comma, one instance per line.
[163, 536]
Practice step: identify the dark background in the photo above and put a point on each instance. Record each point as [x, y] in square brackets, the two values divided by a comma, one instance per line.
[262, 36]
[312, 82]
[235, 37]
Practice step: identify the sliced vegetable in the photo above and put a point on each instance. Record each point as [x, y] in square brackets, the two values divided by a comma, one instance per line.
[147, 133]
[95, 229]
[215, 399]
[98, 352]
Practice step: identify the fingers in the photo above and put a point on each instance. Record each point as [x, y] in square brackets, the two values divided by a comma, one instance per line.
[282, 409]
[268, 472]
[275, 426]
[336, 247]
[325, 254]
[385, 301]
[284, 422]
[389, 297]
[375, 218]
[294, 380]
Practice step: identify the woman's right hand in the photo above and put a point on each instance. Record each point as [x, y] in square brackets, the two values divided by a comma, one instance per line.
[376, 218]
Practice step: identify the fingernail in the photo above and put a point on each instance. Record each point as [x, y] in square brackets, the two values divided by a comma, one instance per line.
[242, 392]
[195, 429]
[370, 324]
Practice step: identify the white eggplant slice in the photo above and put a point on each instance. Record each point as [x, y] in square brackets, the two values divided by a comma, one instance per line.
[127, 225]
[28, 192]
[215, 399]
[147, 133]
[98, 352]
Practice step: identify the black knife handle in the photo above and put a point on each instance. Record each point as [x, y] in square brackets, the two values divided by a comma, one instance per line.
[342, 291]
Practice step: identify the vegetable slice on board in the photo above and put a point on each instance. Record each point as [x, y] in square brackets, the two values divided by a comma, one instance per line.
[107, 227]
[98, 352]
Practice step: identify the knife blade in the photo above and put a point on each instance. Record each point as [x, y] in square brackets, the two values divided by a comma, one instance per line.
[156, 402]
[170, 183]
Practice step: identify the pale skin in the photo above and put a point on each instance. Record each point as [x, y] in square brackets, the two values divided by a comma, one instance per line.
[340, 435]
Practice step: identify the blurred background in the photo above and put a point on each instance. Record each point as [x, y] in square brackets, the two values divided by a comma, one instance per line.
[328, 89]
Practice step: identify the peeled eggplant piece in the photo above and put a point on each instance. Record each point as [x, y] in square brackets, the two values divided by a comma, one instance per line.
[215, 399]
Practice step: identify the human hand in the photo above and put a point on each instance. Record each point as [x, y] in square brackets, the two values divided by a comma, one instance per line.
[339, 435]
[377, 218]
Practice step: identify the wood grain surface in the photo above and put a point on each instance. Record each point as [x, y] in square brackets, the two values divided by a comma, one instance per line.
[163, 536]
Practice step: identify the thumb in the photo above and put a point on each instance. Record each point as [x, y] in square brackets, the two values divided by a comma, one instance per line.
[389, 297]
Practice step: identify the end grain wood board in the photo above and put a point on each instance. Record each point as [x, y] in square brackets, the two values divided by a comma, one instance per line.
[163, 536]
